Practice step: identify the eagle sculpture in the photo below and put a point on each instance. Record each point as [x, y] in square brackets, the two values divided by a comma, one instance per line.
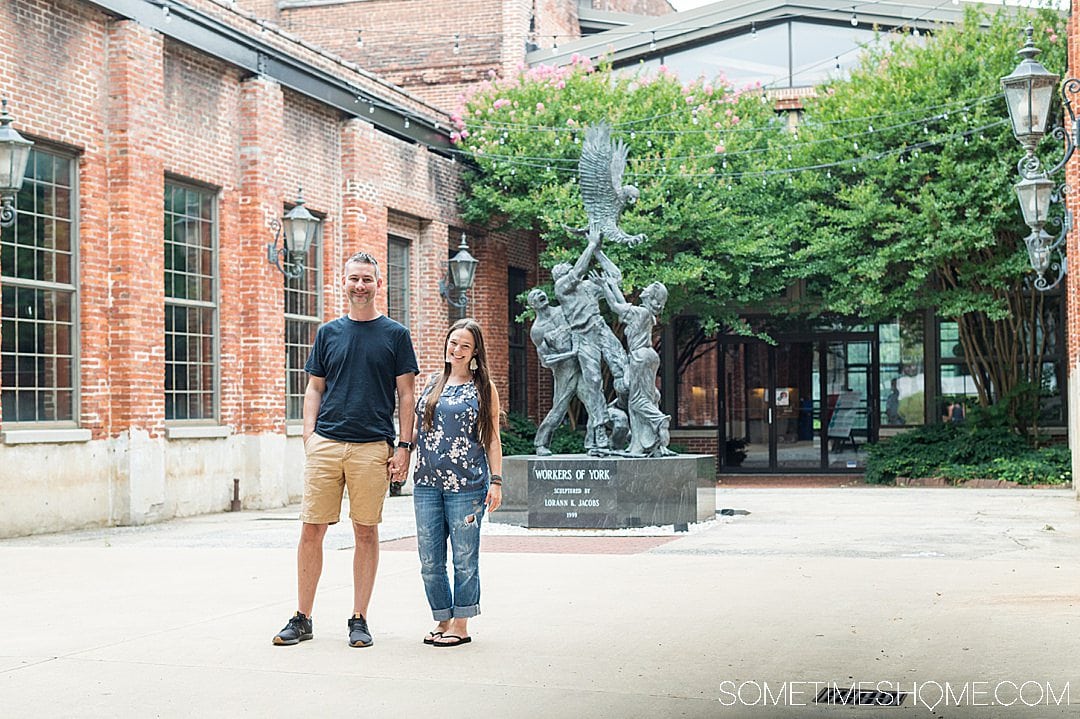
[600, 173]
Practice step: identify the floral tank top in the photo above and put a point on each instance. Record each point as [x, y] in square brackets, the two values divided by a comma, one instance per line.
[449, 455]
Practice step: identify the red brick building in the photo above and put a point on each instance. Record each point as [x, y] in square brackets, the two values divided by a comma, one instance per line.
[147, 359]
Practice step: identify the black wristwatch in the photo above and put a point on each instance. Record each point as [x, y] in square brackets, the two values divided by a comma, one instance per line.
[406, 445]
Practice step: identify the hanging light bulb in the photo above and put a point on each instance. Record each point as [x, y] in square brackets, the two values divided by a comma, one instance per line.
[854, 19]
[166, 12]
[652, 41]
[457, 43]
[914, 32]
[753, 29]
[359, 38]
[406, 122]
[837, 62]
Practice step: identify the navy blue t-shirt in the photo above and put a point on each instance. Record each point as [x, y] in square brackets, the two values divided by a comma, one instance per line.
[360, 362]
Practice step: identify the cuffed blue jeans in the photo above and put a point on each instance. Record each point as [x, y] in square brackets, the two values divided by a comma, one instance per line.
[455, 516]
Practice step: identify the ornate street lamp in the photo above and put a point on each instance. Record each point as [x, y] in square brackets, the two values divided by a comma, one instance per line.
[14, 153]
[460, 274]
[1029, 91]
[297, 231]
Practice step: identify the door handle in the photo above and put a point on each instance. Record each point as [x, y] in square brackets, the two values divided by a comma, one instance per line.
[770, 415]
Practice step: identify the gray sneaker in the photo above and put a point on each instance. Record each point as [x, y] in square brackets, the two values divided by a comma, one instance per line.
[297, 630]
[359, 636]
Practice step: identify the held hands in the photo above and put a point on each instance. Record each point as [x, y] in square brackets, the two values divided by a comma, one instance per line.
[397, 467]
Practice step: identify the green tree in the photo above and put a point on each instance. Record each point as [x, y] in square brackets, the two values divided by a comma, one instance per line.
[931, 220]
[892, 196]
[706, 239]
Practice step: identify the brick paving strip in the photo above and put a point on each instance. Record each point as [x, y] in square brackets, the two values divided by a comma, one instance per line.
[550, 545]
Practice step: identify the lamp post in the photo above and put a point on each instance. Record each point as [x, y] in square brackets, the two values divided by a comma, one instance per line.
[14, 153]
[460, 275]
[1029, 90]
[297, 231]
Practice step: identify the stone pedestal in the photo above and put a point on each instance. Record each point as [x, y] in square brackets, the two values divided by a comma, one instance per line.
[578, 491]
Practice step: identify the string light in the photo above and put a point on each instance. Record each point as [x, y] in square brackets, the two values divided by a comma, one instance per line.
[753, 29]
[900, 152]
[457, 43]
[652, 41]
[359, 38]
[166, 12]
[929, 112]
[854, 19]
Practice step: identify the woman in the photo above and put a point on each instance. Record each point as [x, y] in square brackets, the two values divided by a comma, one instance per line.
[458, 476]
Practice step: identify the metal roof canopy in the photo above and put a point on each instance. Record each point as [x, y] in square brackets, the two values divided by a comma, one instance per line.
[629, 44]
[213, 37]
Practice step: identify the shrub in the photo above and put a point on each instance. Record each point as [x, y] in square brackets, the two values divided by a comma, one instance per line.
[957, 453]
[520, 431]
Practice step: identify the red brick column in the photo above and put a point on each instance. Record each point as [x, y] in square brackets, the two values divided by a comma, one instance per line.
[254, 300]
[135, 171]
[488, 305]
[363, 213]
[136, 234]
[431, 311]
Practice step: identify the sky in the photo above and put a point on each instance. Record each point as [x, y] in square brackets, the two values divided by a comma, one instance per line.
[681, 5]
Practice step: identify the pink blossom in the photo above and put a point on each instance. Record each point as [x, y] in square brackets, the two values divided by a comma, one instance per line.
[689, 99]
[464, 134]
[501, 102]
[560, 85]
[734, 119]
[539, 107]
[719, 149]
[455, 137]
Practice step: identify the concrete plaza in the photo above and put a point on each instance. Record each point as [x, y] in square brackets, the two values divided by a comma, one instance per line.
[748, 615]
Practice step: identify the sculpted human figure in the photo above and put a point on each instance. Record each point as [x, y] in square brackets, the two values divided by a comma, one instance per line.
[649, 434]
[595, 342]
[554, 342]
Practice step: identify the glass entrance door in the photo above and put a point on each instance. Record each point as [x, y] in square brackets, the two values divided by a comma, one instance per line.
[799, 405]
[847, 421]
[796, 398]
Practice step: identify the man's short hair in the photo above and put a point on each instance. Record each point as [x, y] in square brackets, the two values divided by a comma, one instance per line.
[362, 258]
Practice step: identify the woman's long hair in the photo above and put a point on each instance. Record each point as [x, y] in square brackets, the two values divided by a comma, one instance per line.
[481, 378]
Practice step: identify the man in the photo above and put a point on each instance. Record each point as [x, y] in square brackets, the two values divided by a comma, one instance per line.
[356, 366]
[555, 347]
[594, 340]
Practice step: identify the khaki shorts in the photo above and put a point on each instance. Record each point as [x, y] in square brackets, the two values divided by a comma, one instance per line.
[331, 466]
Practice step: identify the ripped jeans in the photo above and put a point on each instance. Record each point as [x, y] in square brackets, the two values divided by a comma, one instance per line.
[455, 516]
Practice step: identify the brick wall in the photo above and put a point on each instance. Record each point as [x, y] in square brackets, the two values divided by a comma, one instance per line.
[635, 7]
[138, 109]
[437, 61]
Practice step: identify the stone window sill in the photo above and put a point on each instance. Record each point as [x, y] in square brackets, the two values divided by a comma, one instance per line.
[206, 431]
[44, 436]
